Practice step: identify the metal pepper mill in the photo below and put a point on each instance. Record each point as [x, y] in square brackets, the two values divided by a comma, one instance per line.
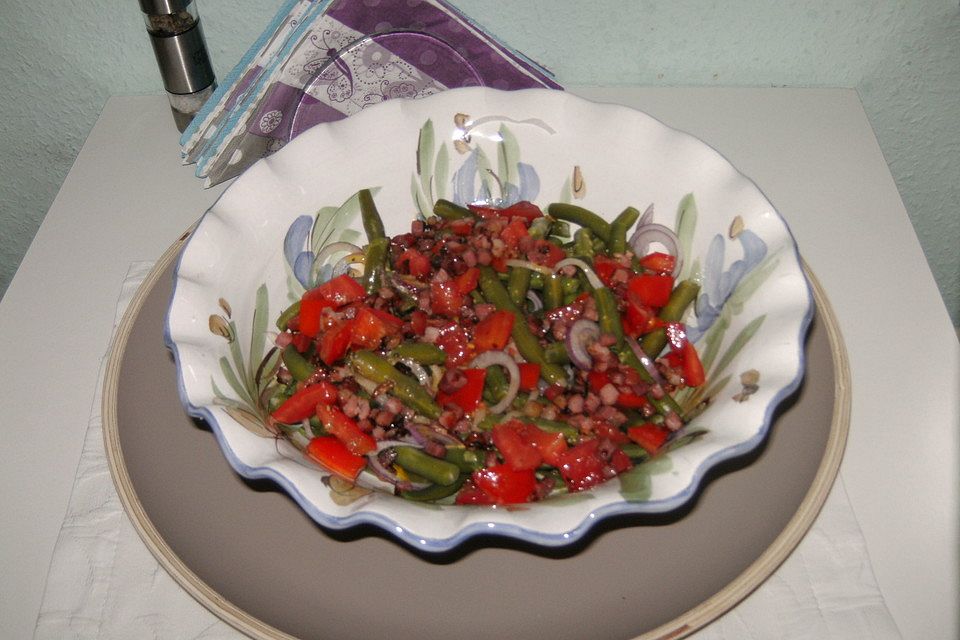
[181, 51]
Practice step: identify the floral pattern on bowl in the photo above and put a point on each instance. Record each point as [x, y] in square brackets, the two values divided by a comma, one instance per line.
[260, 247]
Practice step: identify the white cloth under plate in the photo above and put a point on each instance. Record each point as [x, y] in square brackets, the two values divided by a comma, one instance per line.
[104, 583]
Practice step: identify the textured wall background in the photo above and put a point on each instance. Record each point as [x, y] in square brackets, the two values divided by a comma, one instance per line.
[59, 61]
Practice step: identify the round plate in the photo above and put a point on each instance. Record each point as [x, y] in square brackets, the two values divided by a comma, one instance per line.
[248, 553]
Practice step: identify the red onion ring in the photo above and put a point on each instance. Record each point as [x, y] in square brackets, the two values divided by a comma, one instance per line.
[647, 234]
[490, 358]
[580, 335]
[644, 359]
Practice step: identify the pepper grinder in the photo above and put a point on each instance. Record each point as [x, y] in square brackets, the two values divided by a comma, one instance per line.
[177, 39]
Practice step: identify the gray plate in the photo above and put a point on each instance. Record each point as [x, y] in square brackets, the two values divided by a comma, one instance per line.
[247, 552]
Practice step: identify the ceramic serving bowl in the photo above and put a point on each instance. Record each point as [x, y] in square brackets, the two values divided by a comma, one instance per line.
[255, 250]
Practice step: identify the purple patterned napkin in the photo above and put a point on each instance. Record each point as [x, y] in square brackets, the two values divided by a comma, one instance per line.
[350, 54]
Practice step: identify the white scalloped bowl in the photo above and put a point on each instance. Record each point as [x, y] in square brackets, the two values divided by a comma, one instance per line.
[751, 318]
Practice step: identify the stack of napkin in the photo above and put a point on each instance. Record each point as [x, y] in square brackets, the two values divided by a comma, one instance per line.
[323, 60]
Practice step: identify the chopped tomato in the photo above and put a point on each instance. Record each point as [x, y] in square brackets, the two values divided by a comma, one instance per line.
[335, 341]
[529, 375]
[418, 322]
[652, 290]
[468, 280]
[301, 342]
[657, 262]
[340, 291]
[518, 451]
[463, 227]
[581, 466]
[484, 211]
[504, 484]
[499, 264]
[605, 267]
[468, 396]
[445, 299]
[545, 253]
[493, 332]
[393, 322]
[551, 445]
[632, 400]
[334, 455]
[514, 232]
[311, 309]
[418, 265]
[455, 342]
[693, 374]
[345, 430]
[597, 380]
[526, 446]
[303, 404]
[472, 494]
[368, 329]
[638, 318]
[605, 430]
[523, 209]
[650, 436]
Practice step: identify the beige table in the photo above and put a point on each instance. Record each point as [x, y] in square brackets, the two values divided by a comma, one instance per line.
[811, 151]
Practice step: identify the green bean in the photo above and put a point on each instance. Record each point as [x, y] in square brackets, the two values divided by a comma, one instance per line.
[288, 315]
[426, 466]
[421, 352]
[609, 315]
[617, 241]
[556, 353]
[634, 451]
[296, 364]
[685, 293]
[570, 285]
[434, 492]
[406, 389]
[527, 344]
[495, 385]
[466, 459]
[372, 222]
[629, 358]
[540, 227]
[561, 228]
[583, 244]
[375, 263]
[517, 285]
[552, 292]
[536, 280]
[451, 211]
[580, 216]
[554, 426]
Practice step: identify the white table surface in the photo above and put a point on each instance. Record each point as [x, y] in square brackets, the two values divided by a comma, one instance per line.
[811, 151]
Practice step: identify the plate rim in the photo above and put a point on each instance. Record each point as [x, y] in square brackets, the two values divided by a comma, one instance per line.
[686, 623]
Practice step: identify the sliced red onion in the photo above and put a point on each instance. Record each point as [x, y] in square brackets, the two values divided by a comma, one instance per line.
[421, 433]
[490, 358]
[647, 216]
[389, 475]
[532, 266]
[417, 370]
[307, 428]
[580, 335]
[595, 282]
[644, 359]
[535, 301]
[647, 234]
